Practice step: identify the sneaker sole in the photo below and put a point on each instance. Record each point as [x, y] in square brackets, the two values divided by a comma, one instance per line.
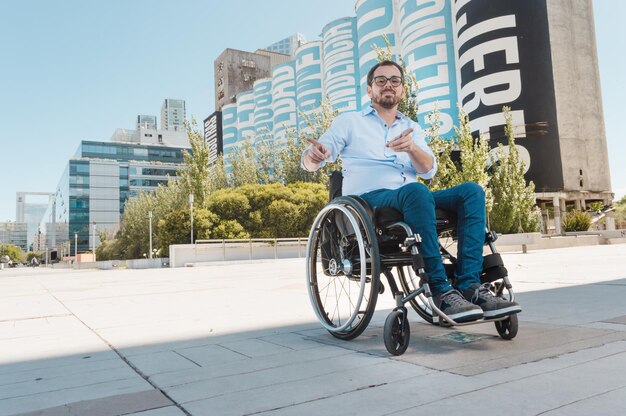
[499, 313]
[467, 316]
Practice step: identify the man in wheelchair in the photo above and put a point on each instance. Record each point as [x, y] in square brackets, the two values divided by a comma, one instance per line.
[382, 153]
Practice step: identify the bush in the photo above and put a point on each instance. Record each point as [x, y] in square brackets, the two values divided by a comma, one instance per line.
[576, 221]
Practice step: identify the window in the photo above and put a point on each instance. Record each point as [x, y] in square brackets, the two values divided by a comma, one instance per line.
[248, 63]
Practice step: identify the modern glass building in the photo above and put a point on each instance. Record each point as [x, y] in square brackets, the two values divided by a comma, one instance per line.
[95, 185]
[14, 233]
[288, 45]
[173, 114]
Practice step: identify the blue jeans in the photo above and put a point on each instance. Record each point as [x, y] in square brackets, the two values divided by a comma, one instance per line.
[417, 204]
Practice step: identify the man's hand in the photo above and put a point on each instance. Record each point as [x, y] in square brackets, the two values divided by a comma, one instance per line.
[317, 153]
[422, 161]
[403, 142]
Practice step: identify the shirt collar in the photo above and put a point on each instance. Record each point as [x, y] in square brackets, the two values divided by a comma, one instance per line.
[368, 109]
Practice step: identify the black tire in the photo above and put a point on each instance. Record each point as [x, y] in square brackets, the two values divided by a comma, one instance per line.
[396, 333]
[343, 268]
[507, 328]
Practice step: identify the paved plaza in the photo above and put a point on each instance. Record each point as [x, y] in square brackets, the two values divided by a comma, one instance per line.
[241, 339]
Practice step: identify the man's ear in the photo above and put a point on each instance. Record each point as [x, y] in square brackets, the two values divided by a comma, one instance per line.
[369, 91]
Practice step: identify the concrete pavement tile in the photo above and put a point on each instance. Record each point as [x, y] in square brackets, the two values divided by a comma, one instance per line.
[288, 393]
[291, 341]
[379, 399]
[61, 397]
[255, 348]
[207, 355]
[534, 342]
[617, 320]
[50, 325]
[28, 307]
[7, 369]
[223, 369]
[161, 362]
[268, 377]
[164, 411]
[575, 305]
[611, 403]
[538, 394]
[52, 371]
[66, 381]
[122, 404]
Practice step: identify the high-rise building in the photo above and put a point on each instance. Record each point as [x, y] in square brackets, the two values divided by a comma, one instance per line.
[146, 122]
[95, 186]
[30, 208]
[288, 45]
[236, 71]
[173, 115]
[14, 233]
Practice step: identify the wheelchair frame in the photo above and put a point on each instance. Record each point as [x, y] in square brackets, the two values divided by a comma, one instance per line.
[348, 234]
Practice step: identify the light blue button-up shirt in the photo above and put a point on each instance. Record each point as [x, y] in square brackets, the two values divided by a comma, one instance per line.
[367, 163]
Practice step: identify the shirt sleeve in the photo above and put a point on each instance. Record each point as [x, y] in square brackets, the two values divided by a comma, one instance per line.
[335, 139]
[419, 138]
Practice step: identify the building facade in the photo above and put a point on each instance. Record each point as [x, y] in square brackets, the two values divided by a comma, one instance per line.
[146, 122]
[94, 187]
[30, 208]
[173, 115]
[288, 45]
[479, 55]
[236, 71]
[14, 233]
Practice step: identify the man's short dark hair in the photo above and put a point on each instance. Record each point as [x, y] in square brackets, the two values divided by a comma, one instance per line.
[370, 75]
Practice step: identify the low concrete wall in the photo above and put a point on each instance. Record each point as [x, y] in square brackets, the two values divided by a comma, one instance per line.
[233, 250]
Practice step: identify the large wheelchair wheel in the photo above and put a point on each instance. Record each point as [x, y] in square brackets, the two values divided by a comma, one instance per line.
[343, 268]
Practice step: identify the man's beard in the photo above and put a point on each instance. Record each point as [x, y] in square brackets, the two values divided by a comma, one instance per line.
[387, 102]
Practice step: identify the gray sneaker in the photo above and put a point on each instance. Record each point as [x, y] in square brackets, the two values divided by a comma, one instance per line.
[453, 304]
[493, 306]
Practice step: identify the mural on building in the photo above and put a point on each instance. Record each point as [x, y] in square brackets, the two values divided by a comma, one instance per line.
[477, 54]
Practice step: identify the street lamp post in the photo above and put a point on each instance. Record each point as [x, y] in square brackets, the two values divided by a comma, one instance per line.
[75, 246]
[191, 214]
[150, 222]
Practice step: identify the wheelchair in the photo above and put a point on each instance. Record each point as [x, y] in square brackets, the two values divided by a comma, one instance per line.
[351, 244]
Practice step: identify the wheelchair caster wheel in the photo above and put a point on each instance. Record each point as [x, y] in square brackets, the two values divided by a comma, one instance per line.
[396, 332]
[507, 328]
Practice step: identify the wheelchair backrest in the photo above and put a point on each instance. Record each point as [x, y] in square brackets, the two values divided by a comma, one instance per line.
[335, 184]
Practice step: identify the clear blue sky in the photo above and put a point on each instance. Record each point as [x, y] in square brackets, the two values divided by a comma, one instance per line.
[73, 70]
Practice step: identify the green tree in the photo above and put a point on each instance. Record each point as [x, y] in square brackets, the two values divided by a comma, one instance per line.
[194, 177]
[244, 168]
[175, 228]
[218, 178]
[514, 206]
[15, 253]
[110, 249]
[134, 232]
[447, 171]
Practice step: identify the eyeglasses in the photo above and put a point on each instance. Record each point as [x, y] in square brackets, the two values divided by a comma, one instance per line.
[381, 80]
